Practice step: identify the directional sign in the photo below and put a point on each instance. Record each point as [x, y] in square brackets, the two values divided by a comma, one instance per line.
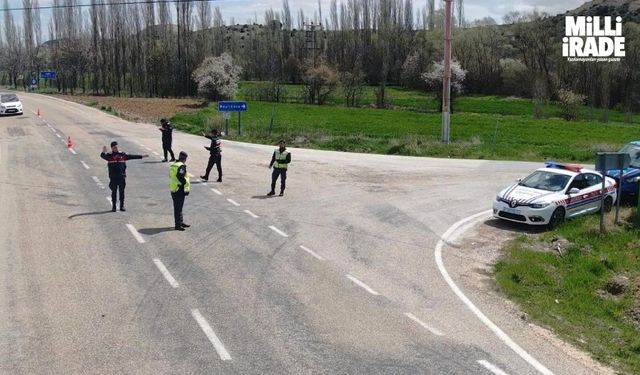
[34, 82]
[232, 106]
[48, 74]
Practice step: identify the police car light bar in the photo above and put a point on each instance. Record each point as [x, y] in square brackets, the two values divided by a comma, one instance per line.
[569, 167]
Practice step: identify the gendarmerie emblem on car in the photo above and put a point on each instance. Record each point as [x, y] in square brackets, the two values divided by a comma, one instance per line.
[513, 203]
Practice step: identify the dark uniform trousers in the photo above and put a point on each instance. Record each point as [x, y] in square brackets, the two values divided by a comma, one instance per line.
[166, 147]
[116, 184]
[217, 160]
[274, 177]
[178, 203]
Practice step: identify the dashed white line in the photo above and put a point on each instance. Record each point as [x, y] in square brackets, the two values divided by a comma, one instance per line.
[423, 324]
[96, 179]
[165, 272]
[63, 141]
[233, 202]
[491, 367]
[155, 153]
[135, 233]
[311, 252]
[204, 184]
[251, 214]
[283, 234]
[58, 135]
[73, 151]
[109, 200]
[362, 285]
[85, 165]
[148, 149]
[446, 237]
[216, 191]
[217, 344]
[190, 175]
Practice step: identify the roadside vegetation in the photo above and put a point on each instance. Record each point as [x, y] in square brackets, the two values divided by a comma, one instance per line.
[482, 127]
[582, 285]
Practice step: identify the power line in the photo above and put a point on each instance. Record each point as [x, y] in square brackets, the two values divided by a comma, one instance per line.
[60, 6]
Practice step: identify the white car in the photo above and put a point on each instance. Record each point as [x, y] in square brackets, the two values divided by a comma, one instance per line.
[10, 104]
[550, 195]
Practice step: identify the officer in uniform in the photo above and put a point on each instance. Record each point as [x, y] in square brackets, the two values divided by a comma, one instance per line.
[280, 160]
[179, 185]
[167, 139]
[215, 155]
[116, 162]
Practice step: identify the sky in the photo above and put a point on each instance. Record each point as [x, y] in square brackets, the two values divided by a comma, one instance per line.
[244, 10]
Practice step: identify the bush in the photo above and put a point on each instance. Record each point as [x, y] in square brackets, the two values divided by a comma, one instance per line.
[217, 78]
[570, 104]
[319, 81]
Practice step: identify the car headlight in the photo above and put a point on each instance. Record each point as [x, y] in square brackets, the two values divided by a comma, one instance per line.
[539, 205]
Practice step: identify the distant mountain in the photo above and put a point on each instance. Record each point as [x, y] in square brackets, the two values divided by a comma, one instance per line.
[629, 10]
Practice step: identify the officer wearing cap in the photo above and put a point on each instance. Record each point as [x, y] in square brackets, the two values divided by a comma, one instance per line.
[179, 185]
[167, 139]
[116, 163]
[279, 161]
[215, 155]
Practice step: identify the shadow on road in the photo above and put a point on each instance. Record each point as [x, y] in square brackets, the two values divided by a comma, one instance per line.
[514, 227]
[154, 162]
[152, 231]
[263, 197]
[90, 213]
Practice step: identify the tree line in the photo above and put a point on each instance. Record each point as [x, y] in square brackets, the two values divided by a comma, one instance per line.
[153, 50]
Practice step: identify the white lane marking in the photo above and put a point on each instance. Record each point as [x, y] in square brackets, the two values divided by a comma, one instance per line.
[148, 149]
[135, 233]
[165, 272]
[58, 135]
[233, 202]
[423, 324]
[155, 153]
[190, 175]
[251, 214]
[109, 200]
[491, 367]
[73, 151]
[311, 252]
[63, 141]
[216, 191]
[362, 285]
[205, 184]
[85, 165]
[217, 344]
[283, 234]
[96, 179]
[467, 222]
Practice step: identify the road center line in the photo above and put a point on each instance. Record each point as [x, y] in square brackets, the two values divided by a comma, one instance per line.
[251, 214]
[190, 175]
[216, 191]
[155, 153]
[423, 324]
[165, 272]
[96, 179]
[73, 151]
[58, 135]
[283, 234]
[217, 344]
[233, 202]
[148, 149]
[362, 285]
[467, 223]
[85, 165]
[135, 233]
[311, 252]
[491, 367]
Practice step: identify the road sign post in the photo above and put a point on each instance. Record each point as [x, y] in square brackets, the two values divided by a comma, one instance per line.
[227, 107]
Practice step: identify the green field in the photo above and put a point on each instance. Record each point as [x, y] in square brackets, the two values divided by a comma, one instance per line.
[486, 127]
[568, 293]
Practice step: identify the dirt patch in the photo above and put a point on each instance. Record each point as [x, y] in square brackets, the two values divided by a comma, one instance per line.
[149, 110]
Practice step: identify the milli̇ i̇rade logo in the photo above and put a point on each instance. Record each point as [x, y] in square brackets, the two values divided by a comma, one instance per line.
[593, 39]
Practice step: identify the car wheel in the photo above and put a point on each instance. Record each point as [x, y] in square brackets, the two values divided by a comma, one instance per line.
[608, 203]
[557, 217]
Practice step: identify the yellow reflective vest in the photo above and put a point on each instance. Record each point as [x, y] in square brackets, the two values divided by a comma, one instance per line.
[174, 183]
[281, 157]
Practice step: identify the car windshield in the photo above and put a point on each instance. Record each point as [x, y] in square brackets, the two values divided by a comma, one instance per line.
[8, 98]
[634, 153]
[544, 180]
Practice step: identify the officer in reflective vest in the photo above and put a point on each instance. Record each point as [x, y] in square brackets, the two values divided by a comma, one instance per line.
[279, 161]
[179, 186]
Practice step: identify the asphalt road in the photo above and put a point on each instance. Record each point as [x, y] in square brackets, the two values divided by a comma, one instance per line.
[336, 277]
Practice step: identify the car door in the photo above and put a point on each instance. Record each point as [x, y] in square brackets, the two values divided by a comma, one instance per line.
[594, 183]
[579, 203]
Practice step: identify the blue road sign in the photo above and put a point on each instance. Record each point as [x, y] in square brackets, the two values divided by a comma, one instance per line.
[34, 82]
[232, 106]
[48, 74]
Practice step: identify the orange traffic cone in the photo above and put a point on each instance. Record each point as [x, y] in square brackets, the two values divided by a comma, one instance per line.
[38, 114]
[69, 142]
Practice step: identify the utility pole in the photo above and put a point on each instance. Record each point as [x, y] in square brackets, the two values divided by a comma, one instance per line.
[446, 80]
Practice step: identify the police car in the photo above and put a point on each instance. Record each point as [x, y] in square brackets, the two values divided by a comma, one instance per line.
[10, 104]
[550, 195]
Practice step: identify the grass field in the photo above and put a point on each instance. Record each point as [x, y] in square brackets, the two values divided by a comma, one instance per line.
[574, 295]
[476, 130]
